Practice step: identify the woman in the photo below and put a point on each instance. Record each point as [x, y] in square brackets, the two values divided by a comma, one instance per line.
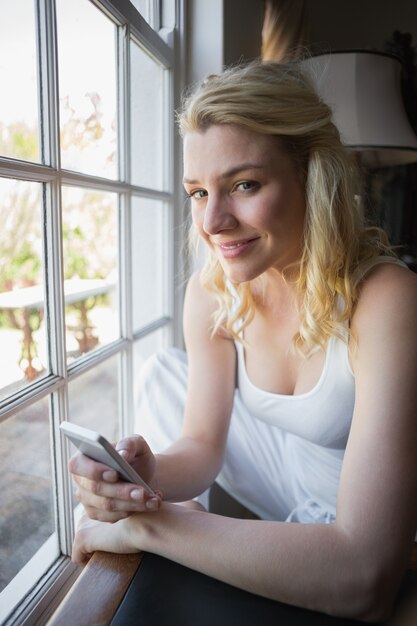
[310, 315]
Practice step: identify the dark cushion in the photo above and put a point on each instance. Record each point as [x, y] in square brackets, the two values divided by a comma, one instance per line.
[163, 593]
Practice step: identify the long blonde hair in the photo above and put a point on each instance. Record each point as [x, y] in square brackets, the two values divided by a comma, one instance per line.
[278, 99]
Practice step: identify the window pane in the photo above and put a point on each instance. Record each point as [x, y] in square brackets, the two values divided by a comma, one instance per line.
[19, 124]
[142, 350]
[148, 121]
[94, 399]
[23, 356]
[143, 7]
[149, 10]
[87, 87]
[93, 402]
[148, 260]
[27, 517]
[145, 347]
[90, 240]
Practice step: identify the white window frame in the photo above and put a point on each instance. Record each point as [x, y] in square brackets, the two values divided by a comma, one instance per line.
[30, 601]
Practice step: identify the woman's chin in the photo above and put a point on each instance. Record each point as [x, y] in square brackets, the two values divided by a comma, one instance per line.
[239, 275]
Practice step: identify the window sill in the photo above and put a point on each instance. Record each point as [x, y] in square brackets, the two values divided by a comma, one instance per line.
[98, 591]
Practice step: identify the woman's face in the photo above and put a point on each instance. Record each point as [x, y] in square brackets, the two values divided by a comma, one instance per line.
[246, 197]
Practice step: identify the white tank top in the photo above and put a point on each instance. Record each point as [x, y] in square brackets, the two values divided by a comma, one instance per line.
[323, 415]
[314, 426]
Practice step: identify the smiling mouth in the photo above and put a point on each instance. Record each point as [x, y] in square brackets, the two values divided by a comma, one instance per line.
[235, 244]
[232, 249]
[232, 246]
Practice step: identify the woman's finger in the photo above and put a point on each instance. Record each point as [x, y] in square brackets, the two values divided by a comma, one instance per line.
[131, 497]
[121, 490]
[82, 465]
[123, 497]
[136, 451]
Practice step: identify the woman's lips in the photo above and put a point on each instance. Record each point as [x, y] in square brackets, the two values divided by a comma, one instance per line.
[233, 249]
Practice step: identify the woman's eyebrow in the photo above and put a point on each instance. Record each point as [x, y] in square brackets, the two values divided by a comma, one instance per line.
[231, 172]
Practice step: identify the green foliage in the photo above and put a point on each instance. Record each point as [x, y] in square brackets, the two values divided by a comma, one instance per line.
[89, 217]
[19, 141]
[20, 234]
[26, 263]
[76, 263]
[89, 234]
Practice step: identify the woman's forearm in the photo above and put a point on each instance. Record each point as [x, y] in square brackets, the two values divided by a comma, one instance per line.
[311, 566]
[186, 469]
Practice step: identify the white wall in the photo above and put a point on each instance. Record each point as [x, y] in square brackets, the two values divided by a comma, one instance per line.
[221, 32]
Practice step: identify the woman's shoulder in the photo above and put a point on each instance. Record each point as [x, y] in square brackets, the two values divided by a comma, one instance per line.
[199, 304]
[200, 309]
[387, 294]
[197, 296]
[386, 279]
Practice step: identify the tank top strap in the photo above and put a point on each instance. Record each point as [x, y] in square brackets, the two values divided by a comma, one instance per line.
[364, 269]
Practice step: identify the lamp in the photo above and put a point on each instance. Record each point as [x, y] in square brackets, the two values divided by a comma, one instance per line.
[363, 90]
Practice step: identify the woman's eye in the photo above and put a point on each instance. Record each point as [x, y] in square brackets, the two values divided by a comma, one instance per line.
[245, 185]
[198, 194]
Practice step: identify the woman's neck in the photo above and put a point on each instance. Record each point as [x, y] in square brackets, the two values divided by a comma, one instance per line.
[275, 293]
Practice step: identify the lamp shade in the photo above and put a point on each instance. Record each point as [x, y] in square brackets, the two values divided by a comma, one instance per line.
[363, 90]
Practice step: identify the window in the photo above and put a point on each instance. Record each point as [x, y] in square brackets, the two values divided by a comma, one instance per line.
[88, 203]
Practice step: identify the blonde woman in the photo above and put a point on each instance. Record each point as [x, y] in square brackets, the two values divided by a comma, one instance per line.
[298, 391]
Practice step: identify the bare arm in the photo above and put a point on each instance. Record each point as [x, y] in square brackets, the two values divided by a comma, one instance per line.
[353, 567]
[348, 567]
[191, 464]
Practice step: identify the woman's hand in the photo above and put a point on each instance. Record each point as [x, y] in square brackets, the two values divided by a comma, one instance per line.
[139, 531]
[92, 535]
[104, 496]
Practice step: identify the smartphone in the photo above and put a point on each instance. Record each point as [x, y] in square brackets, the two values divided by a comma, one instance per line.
[95, 446]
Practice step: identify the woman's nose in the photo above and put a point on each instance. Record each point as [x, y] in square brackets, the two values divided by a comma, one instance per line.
[218, 216]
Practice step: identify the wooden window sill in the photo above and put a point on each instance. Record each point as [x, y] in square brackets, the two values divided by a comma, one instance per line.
[101, 587]
[98, 591]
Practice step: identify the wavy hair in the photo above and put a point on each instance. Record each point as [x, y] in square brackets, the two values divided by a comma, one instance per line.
[278, 99]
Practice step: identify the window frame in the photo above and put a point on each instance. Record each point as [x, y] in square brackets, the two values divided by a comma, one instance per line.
[52, 585]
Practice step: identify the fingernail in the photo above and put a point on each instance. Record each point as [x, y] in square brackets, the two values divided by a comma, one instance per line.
[110, 476]
[152, 504]
[136, 494]
[123, 453]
